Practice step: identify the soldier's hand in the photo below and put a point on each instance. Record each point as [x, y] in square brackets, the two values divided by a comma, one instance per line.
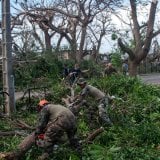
[113, 97]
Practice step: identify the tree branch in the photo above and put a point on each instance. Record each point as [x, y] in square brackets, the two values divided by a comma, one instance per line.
[136, 29]
[126, 49]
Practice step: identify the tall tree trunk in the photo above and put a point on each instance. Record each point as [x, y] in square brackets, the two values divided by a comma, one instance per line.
[142, 43]
[133, 68]
[59, 43]
[80, 53]
[48, 41]
[73, 46]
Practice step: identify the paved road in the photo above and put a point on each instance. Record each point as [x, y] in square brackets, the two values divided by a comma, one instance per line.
[153, 78]
[19, 95]
[147, 78]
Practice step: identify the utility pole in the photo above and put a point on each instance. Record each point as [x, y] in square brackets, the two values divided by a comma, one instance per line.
[7, 66]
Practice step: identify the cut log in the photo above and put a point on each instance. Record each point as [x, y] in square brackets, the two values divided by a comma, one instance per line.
[20, 124]
[2, 115]
[22, 148]
[23, 125]
[8, 133]
[12, 133]
[94, 134]
[29, 141]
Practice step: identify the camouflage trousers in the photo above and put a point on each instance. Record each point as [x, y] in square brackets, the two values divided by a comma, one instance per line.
[55, 130]
[103, 111]
[91, 111]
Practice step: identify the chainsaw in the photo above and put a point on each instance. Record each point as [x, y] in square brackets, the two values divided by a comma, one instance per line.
[40, 140]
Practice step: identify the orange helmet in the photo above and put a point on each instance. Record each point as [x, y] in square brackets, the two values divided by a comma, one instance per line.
[43, 102]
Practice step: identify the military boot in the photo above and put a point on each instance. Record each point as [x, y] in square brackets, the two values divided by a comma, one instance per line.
[44, 156]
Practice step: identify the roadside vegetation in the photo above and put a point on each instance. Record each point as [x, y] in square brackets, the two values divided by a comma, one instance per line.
[39, 31]
[135, 113]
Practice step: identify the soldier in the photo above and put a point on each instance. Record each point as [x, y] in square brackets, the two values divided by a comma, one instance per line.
[98, 95]
[125, 68]
[74, 74]
[109, 70]
[54, 121]
[65, 71]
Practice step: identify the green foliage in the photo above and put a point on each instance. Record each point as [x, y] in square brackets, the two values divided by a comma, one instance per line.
[114, 36]
[40, 72]
[9, 143]
[135, 113]
[116, 58]
[95, 70]
[59, 91]
[5, 125]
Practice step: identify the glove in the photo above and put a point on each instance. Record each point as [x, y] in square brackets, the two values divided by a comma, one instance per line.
[113, 97]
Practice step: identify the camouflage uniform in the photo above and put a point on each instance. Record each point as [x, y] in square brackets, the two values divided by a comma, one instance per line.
[54, 121]
[109, 70]
[76, 106]
[101, 99]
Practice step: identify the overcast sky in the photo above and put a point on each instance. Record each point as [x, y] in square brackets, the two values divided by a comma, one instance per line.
[108, 44]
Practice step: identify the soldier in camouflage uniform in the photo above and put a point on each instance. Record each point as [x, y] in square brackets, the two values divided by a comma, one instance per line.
[109, 70]
[98, 95]
[54, 121]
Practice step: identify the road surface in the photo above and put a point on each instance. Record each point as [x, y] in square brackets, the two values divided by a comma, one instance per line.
[153, 78]
[19, 95]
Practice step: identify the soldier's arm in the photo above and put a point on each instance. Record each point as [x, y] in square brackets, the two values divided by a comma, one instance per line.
[82, 95]
[43, 121]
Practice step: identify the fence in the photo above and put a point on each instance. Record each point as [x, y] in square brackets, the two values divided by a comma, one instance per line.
[149, 67]
[29, 93]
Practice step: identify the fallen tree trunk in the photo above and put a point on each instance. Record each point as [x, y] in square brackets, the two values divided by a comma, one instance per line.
[22, 148]
[12, 133]
[29, 141]
[94, 134]
[23, 125]
[2, 115]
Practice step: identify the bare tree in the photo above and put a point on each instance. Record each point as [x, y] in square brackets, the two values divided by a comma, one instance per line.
[25, 46]
[142, 40]
[69, 19]
[100, 29]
